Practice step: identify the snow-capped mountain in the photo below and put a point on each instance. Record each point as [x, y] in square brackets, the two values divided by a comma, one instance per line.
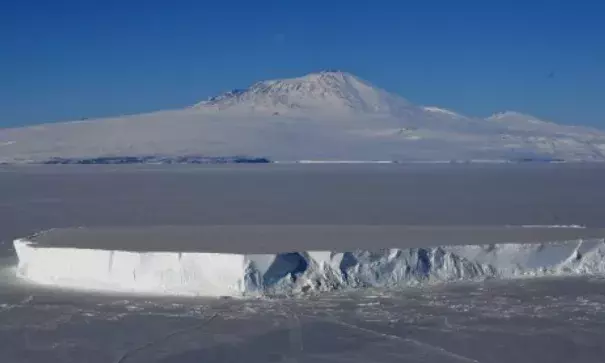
[330, 115]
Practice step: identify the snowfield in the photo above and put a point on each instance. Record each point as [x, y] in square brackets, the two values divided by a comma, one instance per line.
[325, 116]
[207, 273]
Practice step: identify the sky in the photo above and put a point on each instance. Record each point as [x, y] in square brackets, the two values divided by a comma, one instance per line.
[71, 59]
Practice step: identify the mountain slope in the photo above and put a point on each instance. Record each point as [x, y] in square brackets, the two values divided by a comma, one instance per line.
[329, 115]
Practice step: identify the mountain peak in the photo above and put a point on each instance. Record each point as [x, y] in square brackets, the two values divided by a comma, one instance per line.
[327, 91]
[333, 70]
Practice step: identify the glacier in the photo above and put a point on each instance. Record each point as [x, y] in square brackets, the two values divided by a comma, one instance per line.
[202, 273]
[323, 116]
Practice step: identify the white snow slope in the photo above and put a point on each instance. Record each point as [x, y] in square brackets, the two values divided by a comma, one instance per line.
[329, 115]
[226, 274]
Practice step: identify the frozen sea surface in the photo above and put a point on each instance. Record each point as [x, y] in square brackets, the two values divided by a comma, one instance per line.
[33, 198]
[546, 320]
[529, 320]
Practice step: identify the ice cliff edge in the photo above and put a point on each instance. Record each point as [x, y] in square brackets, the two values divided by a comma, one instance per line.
[232, 274]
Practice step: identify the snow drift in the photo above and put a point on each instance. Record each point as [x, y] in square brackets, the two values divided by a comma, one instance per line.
[232, 274]
[330, 115]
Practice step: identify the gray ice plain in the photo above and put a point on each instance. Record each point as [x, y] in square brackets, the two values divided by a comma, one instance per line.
[485, 263]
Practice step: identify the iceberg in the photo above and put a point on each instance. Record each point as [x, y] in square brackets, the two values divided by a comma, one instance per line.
[203, 273]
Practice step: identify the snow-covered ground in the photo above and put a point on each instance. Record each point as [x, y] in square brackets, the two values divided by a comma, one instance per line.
[188, 272]
[322, 116]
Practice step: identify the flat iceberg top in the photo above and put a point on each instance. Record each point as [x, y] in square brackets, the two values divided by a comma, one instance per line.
[288, 238]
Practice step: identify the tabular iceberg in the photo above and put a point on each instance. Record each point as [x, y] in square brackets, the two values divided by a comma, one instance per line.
[232, 274]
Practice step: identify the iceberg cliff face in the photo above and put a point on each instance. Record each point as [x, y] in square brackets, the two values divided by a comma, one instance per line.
[227, 274]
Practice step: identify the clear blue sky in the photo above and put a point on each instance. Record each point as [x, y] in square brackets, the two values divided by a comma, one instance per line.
[68, 59]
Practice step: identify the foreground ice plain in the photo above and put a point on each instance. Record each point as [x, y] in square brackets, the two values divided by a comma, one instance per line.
[548, 320]
[78, 258]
